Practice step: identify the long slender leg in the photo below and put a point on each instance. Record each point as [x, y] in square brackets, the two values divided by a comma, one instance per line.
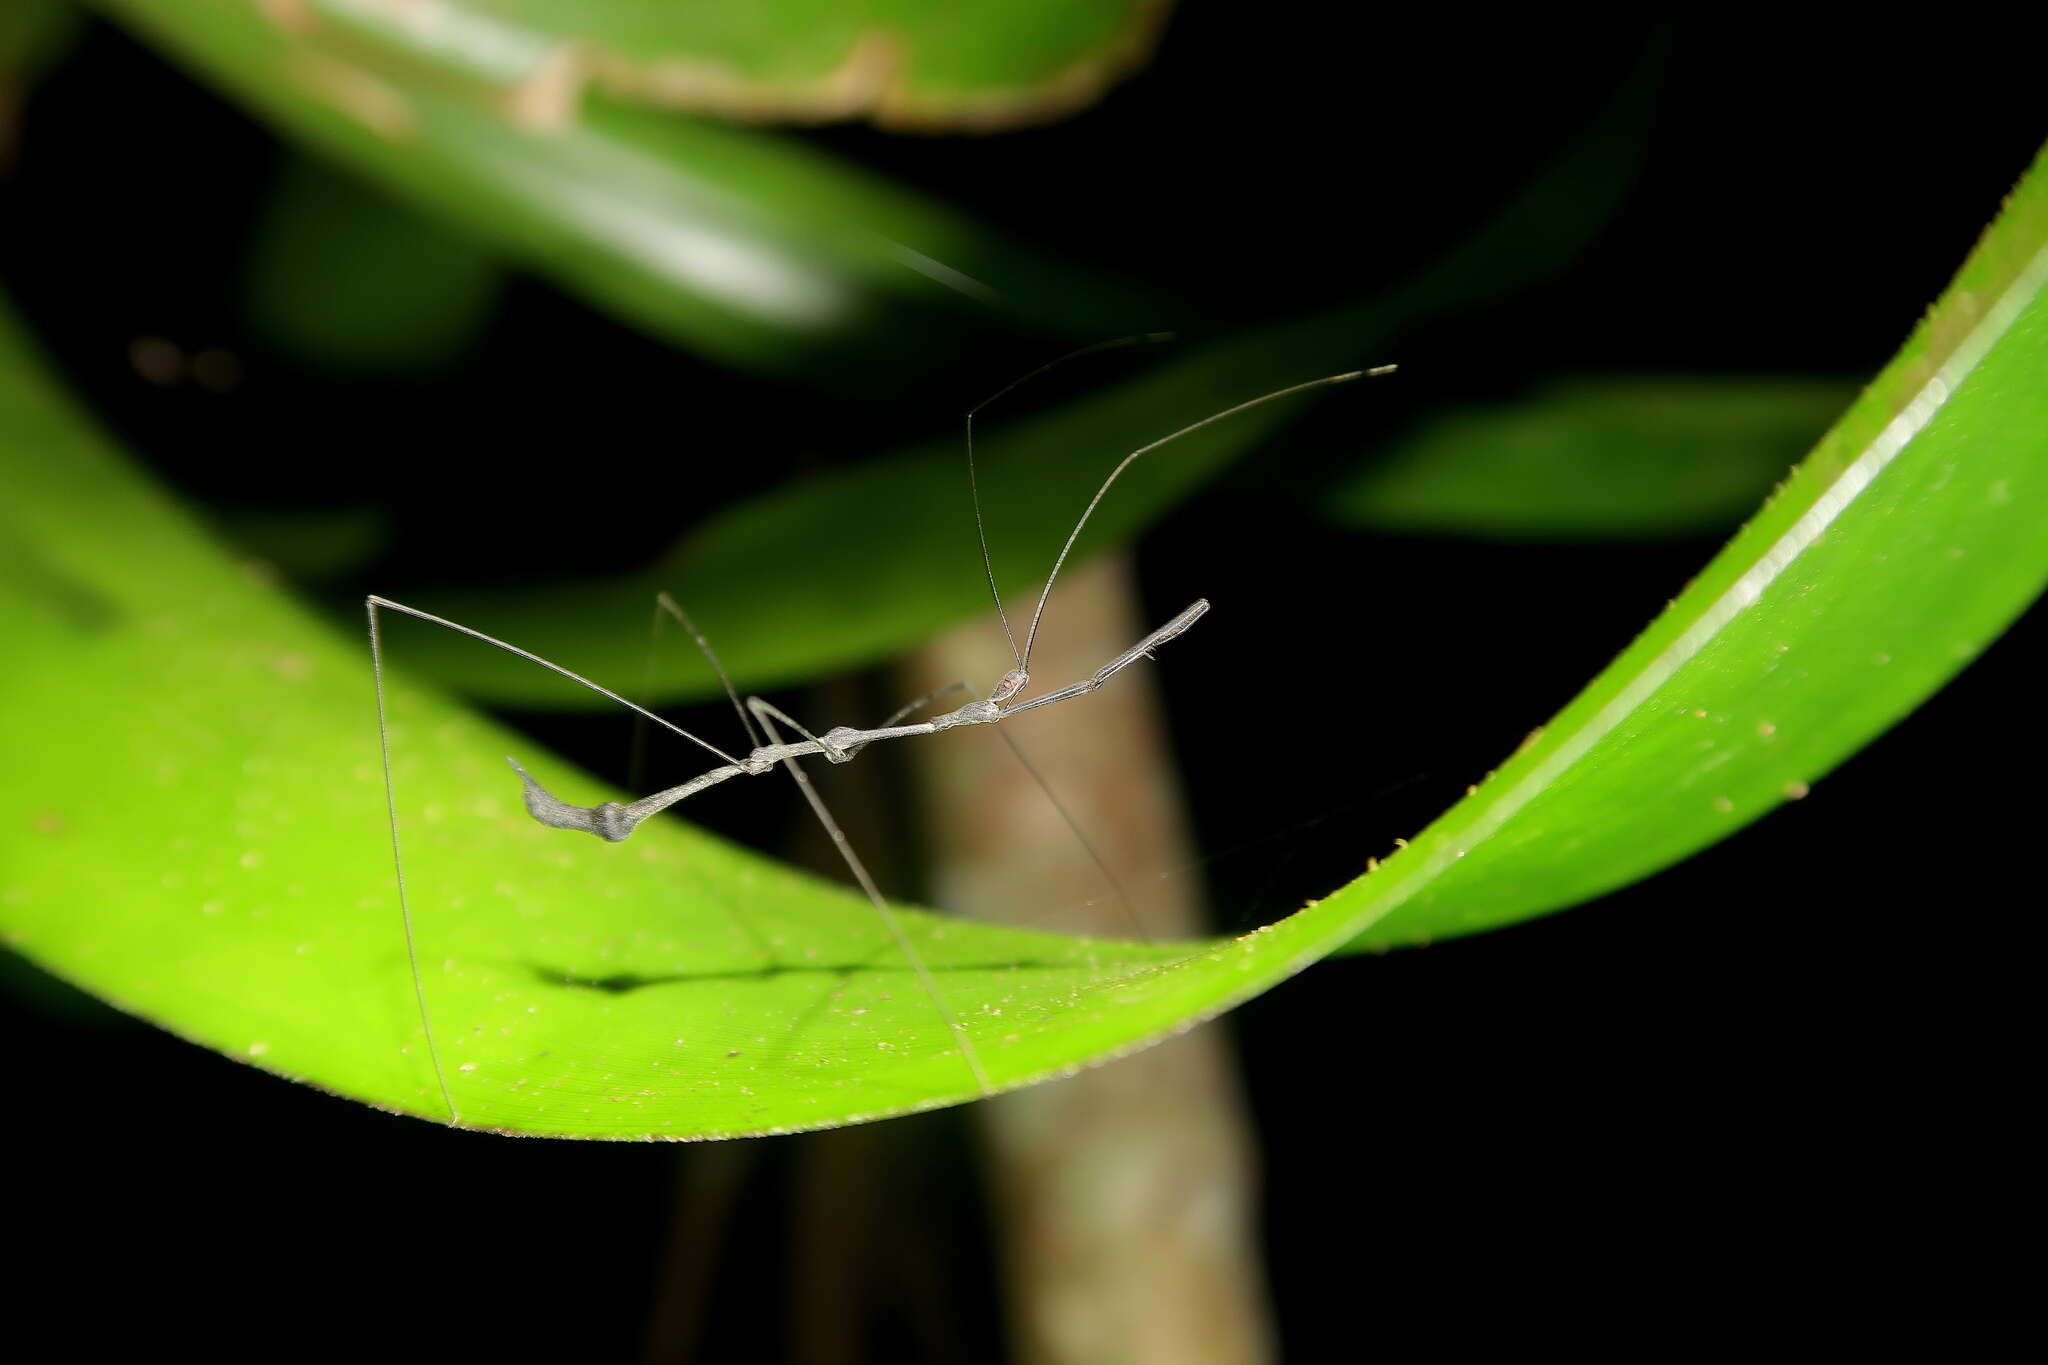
[637, 747]
[664, 603]
[767, 713]
[375, 602]
[608, 821]
[412, 951]
[1142, 650]
[667, 608]
[874, 895]
[912, 708]
[1116, 884]
[763, 709]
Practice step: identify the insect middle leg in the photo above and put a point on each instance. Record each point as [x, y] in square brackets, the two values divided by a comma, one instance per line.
[835, 751]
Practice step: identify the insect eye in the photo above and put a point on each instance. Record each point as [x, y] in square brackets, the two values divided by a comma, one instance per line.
[1012, 683]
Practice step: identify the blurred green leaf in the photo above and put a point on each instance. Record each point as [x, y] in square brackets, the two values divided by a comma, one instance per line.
[32, 29]
[1594, 458]
[902, 63]
[855, 565]
[750, 248]
[1551, 221]
[859, 564]
[31, 33]
[307, 544]
[342, 276]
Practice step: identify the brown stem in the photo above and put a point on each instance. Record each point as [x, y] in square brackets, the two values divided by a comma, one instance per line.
[1126, 1195]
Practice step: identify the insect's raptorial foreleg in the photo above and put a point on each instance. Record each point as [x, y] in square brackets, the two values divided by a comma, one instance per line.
[1141, 650]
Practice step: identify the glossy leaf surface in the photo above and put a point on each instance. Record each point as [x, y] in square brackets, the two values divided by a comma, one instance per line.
[1899, 549]
[901, 63]
[750, 248]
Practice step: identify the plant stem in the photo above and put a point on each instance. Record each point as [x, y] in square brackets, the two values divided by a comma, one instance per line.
[1126, 1194]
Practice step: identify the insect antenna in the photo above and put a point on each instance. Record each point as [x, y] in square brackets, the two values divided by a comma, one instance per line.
[988, 569]
[1038, 613]
[973, 485]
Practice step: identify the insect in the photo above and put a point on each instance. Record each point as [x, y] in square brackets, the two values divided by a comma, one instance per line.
[762, 721]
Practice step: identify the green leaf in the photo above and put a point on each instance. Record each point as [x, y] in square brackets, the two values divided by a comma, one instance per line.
[750, 248]
[856, 565]
[193, 831]
[32, 33]
[192, 826]
[1594, 458]
[308, 545]
[31, 30]
[901, 63]
[341, 276]
[1912, 535]
[809, 579]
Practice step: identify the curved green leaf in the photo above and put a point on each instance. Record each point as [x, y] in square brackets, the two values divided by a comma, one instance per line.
[193, 831]
[748, 247]
[901, 63]
[1912, 535]
[193, 828]
[1594, 458]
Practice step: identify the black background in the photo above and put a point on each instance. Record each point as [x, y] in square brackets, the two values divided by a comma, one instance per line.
[1772, 1090]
